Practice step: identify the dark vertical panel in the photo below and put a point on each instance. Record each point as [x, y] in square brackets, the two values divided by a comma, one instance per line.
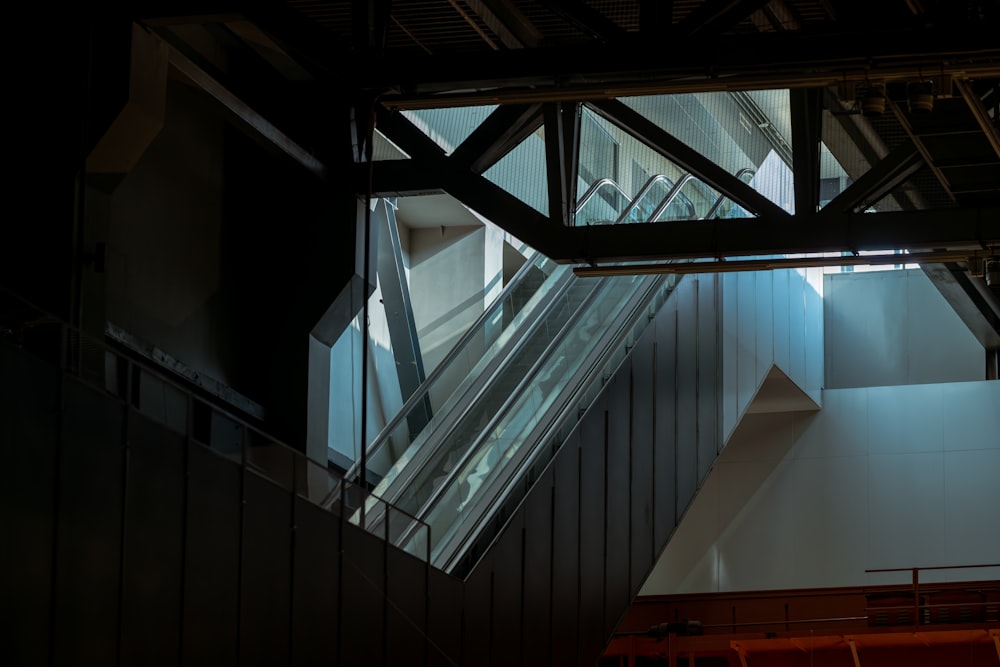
[406, 616]
[212, 560]
[592, 516]
[538, 572]
[709, 396]
[642, 461]
[445, 620]
[618, 521]
[664, 441]
[478, 613]
[29, 419]
[507, 594]
[362, 617]
[88, 559]
[315, 574]
[265, 574]
[566, 551]
[154, 514]
[687, 399]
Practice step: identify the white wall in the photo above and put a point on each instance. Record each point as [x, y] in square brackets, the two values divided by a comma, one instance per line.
[453, 272]
[882, 477]
[770, 319]
[894, 328]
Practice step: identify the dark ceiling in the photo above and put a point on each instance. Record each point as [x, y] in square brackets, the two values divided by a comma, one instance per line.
[270, 61]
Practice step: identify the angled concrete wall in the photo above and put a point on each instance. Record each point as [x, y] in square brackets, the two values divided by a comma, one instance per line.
[881, 477]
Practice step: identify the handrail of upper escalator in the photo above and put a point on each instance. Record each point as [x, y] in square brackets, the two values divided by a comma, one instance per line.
[594, 187]
[502, 411]
[671, 196]
[718, 202]
[456, 349]
[653, 180]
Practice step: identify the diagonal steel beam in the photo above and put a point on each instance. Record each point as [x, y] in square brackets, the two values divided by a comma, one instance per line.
[507, 21]
[716, 16]
[562, 151]
[266, 130]
[502, 130]
[807, 127]
[687, 158]
[884, 177]
[919, 144]
[474, 190]
[587, 20]
[982, 116]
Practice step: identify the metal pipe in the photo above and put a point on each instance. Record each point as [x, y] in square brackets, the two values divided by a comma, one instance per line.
[725, 266]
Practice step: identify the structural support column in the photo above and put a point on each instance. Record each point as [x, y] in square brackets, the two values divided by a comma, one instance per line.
[562, 151]
[807, 127]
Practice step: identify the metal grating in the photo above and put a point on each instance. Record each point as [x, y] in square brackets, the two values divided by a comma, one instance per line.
[625, 13]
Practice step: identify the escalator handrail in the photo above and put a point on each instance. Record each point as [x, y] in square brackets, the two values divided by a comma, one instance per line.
[422, 390]
[597, 185]
[587, 375]
[671, 196]
[718, 202]
[653, 180]
[511, 398]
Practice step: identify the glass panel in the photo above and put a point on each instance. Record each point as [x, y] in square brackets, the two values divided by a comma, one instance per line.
[449, 127]
[833, 179]
[522, 172]
[489, 340]
[735, 130]
[602, 204]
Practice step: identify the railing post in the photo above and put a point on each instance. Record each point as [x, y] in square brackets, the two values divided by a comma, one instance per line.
[916, 599]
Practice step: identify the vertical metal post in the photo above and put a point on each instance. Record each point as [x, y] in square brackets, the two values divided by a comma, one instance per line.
[916, 599]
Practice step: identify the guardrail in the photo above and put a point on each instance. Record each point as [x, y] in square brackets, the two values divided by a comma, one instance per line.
[153, 393]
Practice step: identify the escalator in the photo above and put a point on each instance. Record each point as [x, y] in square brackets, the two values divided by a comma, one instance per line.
[554, 338]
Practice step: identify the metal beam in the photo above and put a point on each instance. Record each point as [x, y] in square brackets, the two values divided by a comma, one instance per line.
[507, 21]
[740, 62]
[474, 190]
[399, 313]
[687, 158]
[982, 116]
[587, 20]
[266, 130]
[502, 130]
[397, 178]
[716, 16]
[952, 229]
[884, 177]
[971, 300]
[562, 150]
[928, 158]
[807, 127]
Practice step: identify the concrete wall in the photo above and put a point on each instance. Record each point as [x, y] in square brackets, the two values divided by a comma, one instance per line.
[895, 328]
[770, 319]
[223, 256]
[165, 228]
[882, 477]
[451, 271]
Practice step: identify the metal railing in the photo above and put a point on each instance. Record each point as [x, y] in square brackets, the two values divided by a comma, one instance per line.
[923, 606]
[154, 394]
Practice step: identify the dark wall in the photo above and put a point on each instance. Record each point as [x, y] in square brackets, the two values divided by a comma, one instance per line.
[126, 543]
[135, 544]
